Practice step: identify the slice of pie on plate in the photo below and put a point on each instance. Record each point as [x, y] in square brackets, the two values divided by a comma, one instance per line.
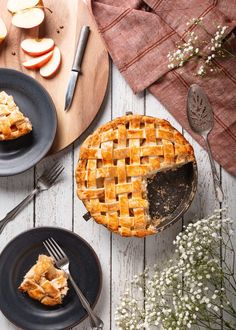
[13, 123]
[45, 283]
[118, 165]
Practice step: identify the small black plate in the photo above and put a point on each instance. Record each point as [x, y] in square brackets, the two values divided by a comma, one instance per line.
[35, 103]
[16, 259]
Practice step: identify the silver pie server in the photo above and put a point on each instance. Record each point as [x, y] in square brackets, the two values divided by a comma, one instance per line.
[76, 67]
[201, 121]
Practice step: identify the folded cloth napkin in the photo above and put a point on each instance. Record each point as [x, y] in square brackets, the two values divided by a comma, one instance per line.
[139, 35]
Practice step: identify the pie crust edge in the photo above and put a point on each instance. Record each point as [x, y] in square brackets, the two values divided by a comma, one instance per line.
[180, 153]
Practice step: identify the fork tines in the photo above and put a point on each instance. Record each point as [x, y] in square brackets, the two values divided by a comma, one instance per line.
[54, 249]
[53, 168]
[53, 173]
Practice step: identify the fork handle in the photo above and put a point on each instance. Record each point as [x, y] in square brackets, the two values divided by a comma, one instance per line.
[217, 185]
[95, 322]
[11, 215]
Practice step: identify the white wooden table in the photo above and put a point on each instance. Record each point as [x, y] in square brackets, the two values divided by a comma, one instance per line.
[121, 258]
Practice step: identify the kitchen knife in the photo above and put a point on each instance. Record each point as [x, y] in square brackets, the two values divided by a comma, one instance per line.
[76, 67]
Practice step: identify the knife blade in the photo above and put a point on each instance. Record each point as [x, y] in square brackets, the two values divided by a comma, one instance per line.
[76, 67]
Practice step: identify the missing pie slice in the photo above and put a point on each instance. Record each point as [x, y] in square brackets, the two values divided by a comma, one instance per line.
[129, 171]
[45, 283]
[13, 123]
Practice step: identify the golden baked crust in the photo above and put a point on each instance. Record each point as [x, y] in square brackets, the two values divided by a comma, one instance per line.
[114, 164]
[13, 123]
[45, 283]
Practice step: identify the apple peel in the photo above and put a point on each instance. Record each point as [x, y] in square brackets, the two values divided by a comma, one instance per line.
[37, 47]
[37, 62]
[49, 69]
[29, 8]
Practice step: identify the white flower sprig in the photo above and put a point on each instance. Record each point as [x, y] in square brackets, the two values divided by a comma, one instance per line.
[193, 290]
[187, 50]
[193, 49]
[184, 52]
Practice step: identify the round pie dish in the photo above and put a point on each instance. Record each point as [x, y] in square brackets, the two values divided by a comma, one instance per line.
[136, 175]
[18, 155]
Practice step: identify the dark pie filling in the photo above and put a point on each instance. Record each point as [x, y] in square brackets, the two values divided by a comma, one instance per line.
[168, 192]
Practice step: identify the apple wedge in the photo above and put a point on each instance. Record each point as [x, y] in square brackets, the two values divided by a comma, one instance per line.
[15, 6]
[38, 62]
[37, 47]
[28, 18]
[49, 69]
[3, 31]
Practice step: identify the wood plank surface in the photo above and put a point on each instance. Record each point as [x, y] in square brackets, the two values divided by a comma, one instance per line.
[120, 258]
[63, 26]
[229, 186]
[128, 253]
[12, 191]
[97, 236]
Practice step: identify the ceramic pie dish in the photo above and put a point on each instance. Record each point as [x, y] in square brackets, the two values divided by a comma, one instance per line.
[136, 175]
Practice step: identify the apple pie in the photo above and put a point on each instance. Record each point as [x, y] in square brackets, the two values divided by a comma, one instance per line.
[115, 165]
[45, 283]
[13, 123]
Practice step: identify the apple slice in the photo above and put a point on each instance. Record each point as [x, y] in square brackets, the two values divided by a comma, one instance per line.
[37, 47]
[38, 62]
[3, 30]
[28, 18]
[15, 6]
[49, 69]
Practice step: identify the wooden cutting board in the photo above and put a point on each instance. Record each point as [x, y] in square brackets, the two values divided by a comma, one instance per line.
[63, 25]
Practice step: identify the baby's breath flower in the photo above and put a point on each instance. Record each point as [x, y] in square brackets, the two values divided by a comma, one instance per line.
[193, 47]
[216, 308]
[188, 290]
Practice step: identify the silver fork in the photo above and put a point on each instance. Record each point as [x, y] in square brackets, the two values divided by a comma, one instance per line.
[63, 263]
[44, 182]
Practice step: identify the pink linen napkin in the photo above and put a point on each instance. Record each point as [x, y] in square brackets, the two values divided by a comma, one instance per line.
[139, 35]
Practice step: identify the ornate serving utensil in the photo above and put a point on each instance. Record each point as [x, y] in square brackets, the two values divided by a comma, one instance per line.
[201, 120]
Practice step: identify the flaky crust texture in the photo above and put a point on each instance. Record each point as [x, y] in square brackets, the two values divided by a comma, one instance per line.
[114, 162]
[45, 283]
[13, 124]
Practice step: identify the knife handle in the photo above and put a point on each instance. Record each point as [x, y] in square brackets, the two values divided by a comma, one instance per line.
[83, 39]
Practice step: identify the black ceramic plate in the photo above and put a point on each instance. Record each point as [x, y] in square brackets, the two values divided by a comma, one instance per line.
[20, 254]
[34, 101]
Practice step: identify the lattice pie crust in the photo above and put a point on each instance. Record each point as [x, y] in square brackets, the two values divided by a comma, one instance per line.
[114, 164]
[13, 123]
[45, 283]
